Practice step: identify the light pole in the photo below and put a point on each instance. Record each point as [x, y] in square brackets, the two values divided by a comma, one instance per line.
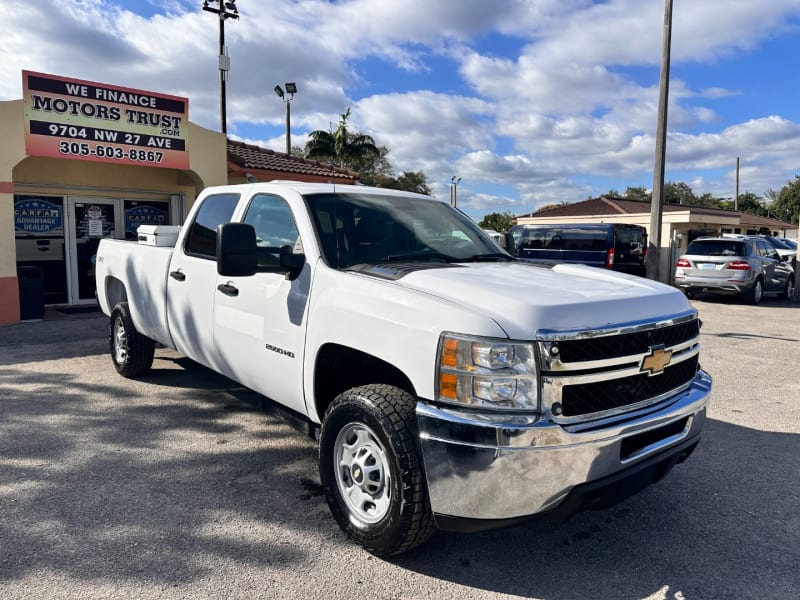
[454, 190]
[227, 10]
[291, 90]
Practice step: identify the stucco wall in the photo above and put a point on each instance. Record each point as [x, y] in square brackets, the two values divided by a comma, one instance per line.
[22, 174]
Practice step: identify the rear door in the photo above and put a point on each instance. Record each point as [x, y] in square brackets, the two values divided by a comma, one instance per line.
[192, 281]
[774, 275]
[630, 244]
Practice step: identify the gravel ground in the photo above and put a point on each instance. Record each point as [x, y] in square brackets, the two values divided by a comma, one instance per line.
[181, 485]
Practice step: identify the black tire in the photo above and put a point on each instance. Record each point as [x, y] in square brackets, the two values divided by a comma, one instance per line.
[689, 293]
[756, 293]
[369, 446]
[131, 352]
[789, 291]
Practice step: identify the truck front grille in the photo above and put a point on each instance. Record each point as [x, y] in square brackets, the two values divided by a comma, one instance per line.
[588, 398]
[627, 343]
[592, 375]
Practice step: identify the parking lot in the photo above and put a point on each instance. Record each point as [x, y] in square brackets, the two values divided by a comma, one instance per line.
[179, 485]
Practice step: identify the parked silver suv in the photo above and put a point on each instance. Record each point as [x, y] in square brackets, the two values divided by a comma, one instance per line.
[748, 266]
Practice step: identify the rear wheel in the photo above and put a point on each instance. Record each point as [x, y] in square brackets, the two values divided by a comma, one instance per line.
[756, 293]
[788, 291]
[371, 469]
[131, 352]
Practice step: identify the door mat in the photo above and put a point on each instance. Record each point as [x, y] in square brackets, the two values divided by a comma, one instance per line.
[77, 310]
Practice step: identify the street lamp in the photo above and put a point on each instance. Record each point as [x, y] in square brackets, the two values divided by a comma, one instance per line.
[454, 189]
[226, 10]
[291, 90]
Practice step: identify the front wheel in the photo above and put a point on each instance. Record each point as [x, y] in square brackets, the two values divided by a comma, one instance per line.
[789, 290]
[371, 469]
[756, 292]
[131, 352]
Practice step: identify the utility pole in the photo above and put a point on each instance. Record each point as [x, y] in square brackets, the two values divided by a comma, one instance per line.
[224, 59]
[657, 201]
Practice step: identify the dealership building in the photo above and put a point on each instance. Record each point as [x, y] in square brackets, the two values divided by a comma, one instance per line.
[81, 161]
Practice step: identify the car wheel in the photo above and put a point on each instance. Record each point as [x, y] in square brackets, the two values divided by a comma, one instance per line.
[689, 293]
[371, 469]
[756, 293]
[131, 352]
[788, 291]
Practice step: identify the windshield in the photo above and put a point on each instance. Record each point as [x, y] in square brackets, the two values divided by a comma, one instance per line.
[356, 228]
[716, 248]
[779, 243]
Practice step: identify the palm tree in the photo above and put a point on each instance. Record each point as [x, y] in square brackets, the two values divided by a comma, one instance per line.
[341, 148]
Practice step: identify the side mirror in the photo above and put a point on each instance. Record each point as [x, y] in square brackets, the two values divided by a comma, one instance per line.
[236, 250]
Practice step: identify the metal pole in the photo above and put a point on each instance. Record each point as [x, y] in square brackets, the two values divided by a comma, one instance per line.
[222, 99]
[657, 201]
[288, 128]
[224, 62]
[736, 201]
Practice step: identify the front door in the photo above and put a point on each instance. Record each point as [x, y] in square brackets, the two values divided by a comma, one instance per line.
[90, 219]
[259, 321]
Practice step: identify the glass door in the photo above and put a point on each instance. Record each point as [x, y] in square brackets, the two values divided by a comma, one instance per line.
[90, 220]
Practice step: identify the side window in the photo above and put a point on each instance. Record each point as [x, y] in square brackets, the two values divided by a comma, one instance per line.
[766, 249]
[202, 238]
[276, 230]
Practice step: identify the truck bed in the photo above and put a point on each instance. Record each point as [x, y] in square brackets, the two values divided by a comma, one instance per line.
[143, 272]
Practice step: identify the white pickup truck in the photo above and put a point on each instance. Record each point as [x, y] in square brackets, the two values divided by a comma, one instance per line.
[450, 385]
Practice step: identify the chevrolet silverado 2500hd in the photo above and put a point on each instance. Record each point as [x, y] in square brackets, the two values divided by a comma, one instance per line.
[450, 385]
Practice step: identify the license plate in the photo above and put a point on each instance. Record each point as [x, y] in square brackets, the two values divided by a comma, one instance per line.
[711, 266]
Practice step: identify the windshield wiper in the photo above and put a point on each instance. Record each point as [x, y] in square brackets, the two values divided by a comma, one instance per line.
[417, 257]
[488, 257]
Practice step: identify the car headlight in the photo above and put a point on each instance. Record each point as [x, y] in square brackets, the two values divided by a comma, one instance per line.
[486, 373]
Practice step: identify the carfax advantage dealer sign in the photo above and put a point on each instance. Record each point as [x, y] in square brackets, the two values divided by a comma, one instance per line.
[84, 120]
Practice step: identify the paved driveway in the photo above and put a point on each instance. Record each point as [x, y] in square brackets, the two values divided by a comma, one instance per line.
[179, 486]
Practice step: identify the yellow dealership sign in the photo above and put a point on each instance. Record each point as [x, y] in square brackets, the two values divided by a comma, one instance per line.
[85, 120]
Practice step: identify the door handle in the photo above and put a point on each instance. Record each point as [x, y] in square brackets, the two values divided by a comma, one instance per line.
[178, 275]
[228, 289]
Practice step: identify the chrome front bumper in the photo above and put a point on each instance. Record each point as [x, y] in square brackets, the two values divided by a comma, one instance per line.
[479, 466]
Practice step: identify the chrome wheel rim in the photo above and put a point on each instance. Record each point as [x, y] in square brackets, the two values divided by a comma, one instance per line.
[757, 292]
[362, 473]
[120, 338]
[790, 288]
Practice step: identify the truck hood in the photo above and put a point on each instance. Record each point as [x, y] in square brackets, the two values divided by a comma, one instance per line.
[525, 298]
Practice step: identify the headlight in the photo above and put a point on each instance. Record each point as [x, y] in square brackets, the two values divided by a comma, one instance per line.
[484, 373]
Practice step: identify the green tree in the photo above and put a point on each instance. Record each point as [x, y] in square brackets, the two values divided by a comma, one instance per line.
[709, 199]
[341, 147]
[358, 152]
[787, 205]
[414, 181]
[498, 221]
[752, 204]
[375, 169]
[637, 193]
[678, 193]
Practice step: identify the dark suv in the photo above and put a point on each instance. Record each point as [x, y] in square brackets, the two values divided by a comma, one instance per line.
[614, 246]
[748, 266]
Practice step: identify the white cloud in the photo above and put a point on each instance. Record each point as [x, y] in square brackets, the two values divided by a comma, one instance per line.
[577, 100]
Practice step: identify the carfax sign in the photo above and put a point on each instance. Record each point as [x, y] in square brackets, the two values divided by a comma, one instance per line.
[84, 120]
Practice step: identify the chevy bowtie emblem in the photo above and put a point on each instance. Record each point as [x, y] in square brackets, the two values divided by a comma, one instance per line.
[655, 362]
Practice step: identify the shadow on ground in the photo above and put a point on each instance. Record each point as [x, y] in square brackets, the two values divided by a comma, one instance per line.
[104, 479]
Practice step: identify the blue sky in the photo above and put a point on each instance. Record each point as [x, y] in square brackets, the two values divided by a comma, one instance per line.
[530, 102]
